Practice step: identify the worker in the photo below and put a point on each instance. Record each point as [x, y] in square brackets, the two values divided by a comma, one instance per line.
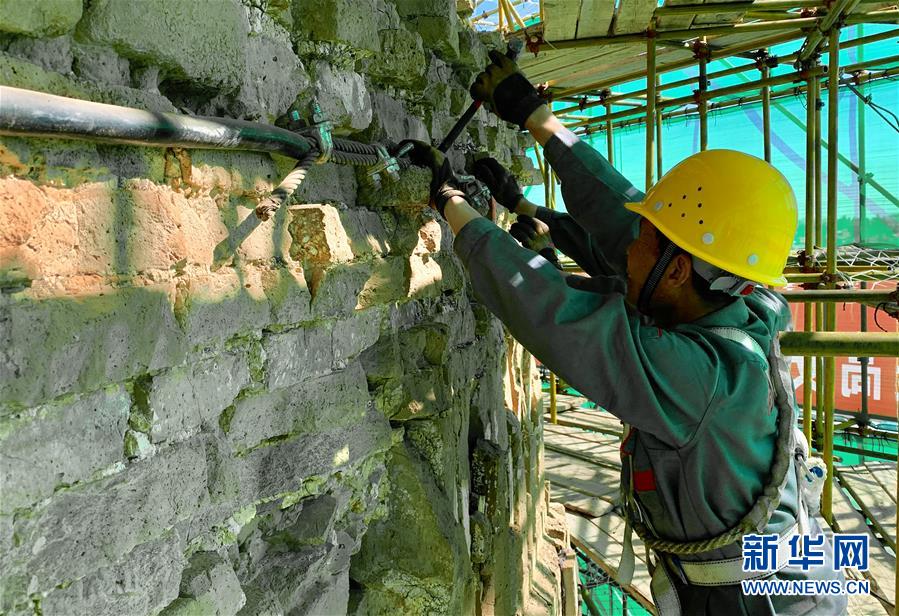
[677, 338]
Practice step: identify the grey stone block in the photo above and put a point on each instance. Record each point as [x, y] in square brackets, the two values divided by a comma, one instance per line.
[335, 289]
[310, 352]
[282, 467]
[101, 65]
[51, 54]
[44, 18]
[345, 21]
[112, 516]
[343, 97]
[213, 55]
[53, 346]
[60, 443]
[142, 582]
[208, 586]
[337, 399]
[273, 79]
[402, 61]
[391, 122]
[182, 399]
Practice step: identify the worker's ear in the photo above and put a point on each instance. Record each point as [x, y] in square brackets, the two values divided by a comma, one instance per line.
[680, 271]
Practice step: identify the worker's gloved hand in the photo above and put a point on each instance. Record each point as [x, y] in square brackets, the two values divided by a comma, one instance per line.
[501, 183]
[505, 90]
[444, 183]
[534, 234]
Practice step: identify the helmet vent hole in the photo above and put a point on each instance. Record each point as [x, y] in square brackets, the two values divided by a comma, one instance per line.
[682, 215]
[684, 197]
[700, 222]
[669, 205]
[698, 205]
[699, 189]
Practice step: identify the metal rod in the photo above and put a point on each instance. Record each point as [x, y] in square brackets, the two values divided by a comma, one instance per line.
[736, 7]
[819, 380]
[830, 344]
[650, 108]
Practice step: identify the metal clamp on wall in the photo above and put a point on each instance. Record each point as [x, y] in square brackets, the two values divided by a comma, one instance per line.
[320, 131]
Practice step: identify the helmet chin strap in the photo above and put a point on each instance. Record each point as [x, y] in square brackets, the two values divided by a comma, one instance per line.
[655, 276]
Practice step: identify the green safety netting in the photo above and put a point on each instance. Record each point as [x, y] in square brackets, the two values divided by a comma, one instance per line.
[868, 212]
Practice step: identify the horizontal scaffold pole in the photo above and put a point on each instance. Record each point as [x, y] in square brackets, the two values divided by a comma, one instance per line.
[840, 344]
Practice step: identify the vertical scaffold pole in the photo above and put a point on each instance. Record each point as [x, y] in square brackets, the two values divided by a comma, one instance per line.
[702, 54]
[808, 309]
[650, 105]
[833, 90]
[659, 171]
[819, 308]
[550, 202]
[610, 142]
[766, 124]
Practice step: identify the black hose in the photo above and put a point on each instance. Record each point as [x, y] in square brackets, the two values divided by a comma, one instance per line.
[36, 114]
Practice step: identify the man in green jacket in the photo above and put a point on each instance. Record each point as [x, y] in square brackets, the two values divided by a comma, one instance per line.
[676, 338]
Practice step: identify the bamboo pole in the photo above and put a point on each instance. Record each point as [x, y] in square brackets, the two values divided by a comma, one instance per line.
[829, 309]
[610, 141]
[658, 120]
[839, 344]
[862, 296]
[766, 117]
[727, 52]
[703, 100]
[809, 245]
[650, 108]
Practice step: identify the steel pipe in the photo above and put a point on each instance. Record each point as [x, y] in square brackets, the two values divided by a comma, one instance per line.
[35, 114]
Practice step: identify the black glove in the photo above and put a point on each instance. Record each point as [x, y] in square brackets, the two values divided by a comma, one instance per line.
[505, 90]
[501, 183]
[444, 183]
[534, 234]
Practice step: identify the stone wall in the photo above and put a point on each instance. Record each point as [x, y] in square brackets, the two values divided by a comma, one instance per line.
[202, 413]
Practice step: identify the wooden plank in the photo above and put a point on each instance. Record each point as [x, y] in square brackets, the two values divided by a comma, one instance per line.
[670, 22]
[881, 565]
[560, 19]
[633, 16]
[604, 548]
[584, 504]
[575, 474]
[595, 18]
[874, 502]
[884, 473]
[602, 451]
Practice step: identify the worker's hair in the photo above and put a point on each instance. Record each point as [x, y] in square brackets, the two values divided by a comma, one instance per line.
[713, 298]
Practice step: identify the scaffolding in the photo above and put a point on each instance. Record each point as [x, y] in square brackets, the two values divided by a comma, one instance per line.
[824, 274]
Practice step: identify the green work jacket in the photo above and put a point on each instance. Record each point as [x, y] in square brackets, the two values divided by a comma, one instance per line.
[706, 431]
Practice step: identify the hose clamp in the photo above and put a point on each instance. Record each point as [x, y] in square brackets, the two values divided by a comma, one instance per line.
[321, 132]
[387, 164]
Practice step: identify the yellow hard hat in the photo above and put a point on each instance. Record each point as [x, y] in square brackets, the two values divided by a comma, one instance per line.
[728, 208]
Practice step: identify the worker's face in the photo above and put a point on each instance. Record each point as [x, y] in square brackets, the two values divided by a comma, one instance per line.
[642, 255]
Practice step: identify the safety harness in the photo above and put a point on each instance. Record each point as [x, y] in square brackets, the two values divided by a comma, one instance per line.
[789, 449]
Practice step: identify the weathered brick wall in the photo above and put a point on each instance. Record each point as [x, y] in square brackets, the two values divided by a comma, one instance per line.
[204, 413]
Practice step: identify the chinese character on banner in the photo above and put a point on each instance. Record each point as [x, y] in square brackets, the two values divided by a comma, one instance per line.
[803, 553]
[850, 551]
[851, 379]
[760, 552]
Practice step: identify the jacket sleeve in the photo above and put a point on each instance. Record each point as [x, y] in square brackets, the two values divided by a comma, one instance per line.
[570, 238]
[595, 194]
[592, 339]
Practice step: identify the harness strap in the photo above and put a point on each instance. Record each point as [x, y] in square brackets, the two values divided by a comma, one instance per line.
[730, 570]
